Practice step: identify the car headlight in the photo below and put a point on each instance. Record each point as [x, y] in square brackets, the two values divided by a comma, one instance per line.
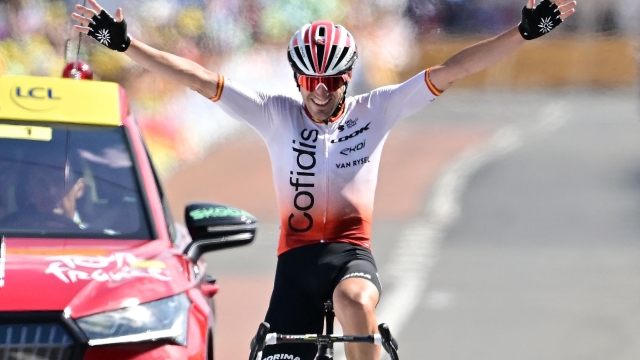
[161, 319]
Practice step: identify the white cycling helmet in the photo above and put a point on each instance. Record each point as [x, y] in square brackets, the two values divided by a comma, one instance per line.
[322, 49]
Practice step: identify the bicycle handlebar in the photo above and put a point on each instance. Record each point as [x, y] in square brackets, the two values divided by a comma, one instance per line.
[264, 338]
[389, 344]
[274, 338]
[258, 342]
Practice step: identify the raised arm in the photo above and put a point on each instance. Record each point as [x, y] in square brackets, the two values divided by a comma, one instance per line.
[112, 33]
[536, 21]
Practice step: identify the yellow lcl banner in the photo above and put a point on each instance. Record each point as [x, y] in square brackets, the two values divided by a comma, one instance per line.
[49, 99]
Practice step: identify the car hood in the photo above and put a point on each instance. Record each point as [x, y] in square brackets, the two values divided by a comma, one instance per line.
[88, 276]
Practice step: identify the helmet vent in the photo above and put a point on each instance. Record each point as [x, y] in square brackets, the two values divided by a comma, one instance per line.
[342, 55]
[299, 55]
[320, 52]
[331, 54]
[307, 49]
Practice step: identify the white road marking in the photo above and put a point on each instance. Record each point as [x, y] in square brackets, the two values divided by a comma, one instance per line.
[416, 250]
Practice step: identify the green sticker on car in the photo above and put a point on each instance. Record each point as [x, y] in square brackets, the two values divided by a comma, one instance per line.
[216, 212]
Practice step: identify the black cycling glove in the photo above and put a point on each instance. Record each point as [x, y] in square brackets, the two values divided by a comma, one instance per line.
[109, 32]
[539, 20]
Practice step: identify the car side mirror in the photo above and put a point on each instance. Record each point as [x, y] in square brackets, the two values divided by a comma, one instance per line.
[215, 226]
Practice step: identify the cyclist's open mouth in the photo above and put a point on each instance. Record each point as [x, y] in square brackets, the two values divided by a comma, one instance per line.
[320, 103]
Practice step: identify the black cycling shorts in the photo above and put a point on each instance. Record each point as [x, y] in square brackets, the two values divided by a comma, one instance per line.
[305, 278]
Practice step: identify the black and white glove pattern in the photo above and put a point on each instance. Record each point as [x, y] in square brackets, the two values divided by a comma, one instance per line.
[540, 20]
[109, 32]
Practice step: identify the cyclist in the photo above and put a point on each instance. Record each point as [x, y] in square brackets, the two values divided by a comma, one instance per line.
[325, 152]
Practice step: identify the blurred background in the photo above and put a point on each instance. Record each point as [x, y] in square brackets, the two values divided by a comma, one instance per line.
[506, 222]
[242, 39]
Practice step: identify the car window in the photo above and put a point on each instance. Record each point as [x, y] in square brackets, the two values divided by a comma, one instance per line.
[69, 181]
[171, 225]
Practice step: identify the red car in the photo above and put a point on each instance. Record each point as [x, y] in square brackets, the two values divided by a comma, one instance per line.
[92, 265]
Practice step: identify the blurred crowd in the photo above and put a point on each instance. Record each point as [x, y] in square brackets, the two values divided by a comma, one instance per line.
[461, 17]
[36, 38]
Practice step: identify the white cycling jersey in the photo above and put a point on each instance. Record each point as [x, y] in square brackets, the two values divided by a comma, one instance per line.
[325, 174]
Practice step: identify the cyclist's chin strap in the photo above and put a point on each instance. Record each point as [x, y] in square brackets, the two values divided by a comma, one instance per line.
[295, 78]
[338, 109]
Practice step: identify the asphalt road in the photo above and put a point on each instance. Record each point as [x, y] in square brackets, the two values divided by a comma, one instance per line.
[506, 227]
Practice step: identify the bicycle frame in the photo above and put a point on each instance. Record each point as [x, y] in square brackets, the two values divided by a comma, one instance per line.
[325, 342]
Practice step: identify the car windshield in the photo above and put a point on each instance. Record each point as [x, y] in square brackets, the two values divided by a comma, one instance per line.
[59, 180]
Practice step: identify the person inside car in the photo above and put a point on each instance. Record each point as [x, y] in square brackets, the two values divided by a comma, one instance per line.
[47, 200]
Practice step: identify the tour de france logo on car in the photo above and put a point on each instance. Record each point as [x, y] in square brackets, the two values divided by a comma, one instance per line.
[35, 98]
[115, 267]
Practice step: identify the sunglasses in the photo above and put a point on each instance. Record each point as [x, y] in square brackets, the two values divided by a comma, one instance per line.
[332, 83]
